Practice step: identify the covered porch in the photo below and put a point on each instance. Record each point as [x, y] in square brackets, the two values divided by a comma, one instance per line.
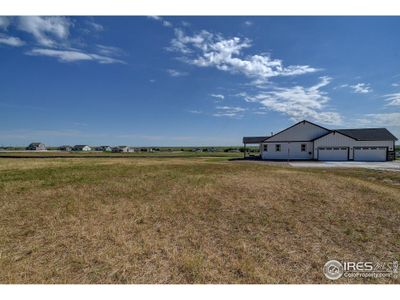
[252, 140]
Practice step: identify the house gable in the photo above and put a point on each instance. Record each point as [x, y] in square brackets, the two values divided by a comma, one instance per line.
[302, 131]
[334, 136]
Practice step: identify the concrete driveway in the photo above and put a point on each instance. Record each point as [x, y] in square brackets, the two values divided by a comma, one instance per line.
[385, 165]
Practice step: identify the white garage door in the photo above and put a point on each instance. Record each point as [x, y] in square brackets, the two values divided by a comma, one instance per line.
[333, 153]
[370, 153]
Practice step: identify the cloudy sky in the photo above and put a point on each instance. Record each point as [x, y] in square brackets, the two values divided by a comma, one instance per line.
[193, 80]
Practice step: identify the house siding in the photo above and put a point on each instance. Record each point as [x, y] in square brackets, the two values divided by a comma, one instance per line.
[290, 150]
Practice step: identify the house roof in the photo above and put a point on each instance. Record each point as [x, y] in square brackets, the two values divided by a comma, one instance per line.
[35, 144]
[368, 134]
[80, 146]
[254, 139]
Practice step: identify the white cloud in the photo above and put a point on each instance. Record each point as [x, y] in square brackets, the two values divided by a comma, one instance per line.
[383, 119]
[248, 23]
[194, 111]
[46, 30]
[109, 50]
[157, 18]
[299, 102]
[229, 111]
[176, 73]
[164, 22]
[260, 112]
[95, 26]
[4, 22]
[185, 24]
[52, 33]
[218, 96]
[395, 84]
[393, 99]
[206, 49]
[361, 88]
[73, 55]
[11, 41]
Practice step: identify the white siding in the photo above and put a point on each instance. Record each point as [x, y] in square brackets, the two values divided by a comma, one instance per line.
[303, 131]
[288, 151]
[336, 139]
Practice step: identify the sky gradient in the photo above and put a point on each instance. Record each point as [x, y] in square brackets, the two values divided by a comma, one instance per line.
[189, 81]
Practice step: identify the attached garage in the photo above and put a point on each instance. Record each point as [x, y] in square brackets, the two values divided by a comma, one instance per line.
[370, 153]
[333, 153]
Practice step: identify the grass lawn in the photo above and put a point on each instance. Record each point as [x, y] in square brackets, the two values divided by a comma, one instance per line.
[190, 220]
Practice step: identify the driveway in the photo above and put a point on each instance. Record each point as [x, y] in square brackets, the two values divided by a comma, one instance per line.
[385, 165]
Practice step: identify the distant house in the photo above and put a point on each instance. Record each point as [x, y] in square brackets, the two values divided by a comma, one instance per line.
[65, 148]
[104, 148]
[81, 148]
[36, 147]
[123, 149]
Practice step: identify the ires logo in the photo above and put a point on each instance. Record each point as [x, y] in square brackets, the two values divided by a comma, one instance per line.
[334, 269]
[360, 266]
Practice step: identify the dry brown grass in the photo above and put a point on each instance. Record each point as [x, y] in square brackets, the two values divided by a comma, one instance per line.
[189, 221]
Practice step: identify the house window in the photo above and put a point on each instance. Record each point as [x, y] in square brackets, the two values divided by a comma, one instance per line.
[278, 148]
[265, 148]
[303, 147]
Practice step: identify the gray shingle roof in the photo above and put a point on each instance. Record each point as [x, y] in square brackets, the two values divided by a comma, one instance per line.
[254, 139]
[368, 134]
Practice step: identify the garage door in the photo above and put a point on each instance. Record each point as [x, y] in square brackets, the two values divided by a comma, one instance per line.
[370, 153]
[330, 153]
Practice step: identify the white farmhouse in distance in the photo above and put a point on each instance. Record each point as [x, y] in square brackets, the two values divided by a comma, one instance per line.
[309, 141]
[121, 149]
[81, 148]
[36, 147]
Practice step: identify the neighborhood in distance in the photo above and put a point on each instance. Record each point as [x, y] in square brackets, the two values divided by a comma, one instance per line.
[37, 146]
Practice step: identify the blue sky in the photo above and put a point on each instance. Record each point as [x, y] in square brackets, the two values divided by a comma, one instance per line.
[193, 80]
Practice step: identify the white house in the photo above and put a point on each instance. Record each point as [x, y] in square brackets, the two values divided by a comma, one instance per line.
[309, 141]
[81, 148]
[121, 149]
[36, 147]
[104, 148]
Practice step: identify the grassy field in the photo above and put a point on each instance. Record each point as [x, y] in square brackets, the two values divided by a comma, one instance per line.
[111, 154]
[190, 220]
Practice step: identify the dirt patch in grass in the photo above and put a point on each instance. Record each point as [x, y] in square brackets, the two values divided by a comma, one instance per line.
[189, 221]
